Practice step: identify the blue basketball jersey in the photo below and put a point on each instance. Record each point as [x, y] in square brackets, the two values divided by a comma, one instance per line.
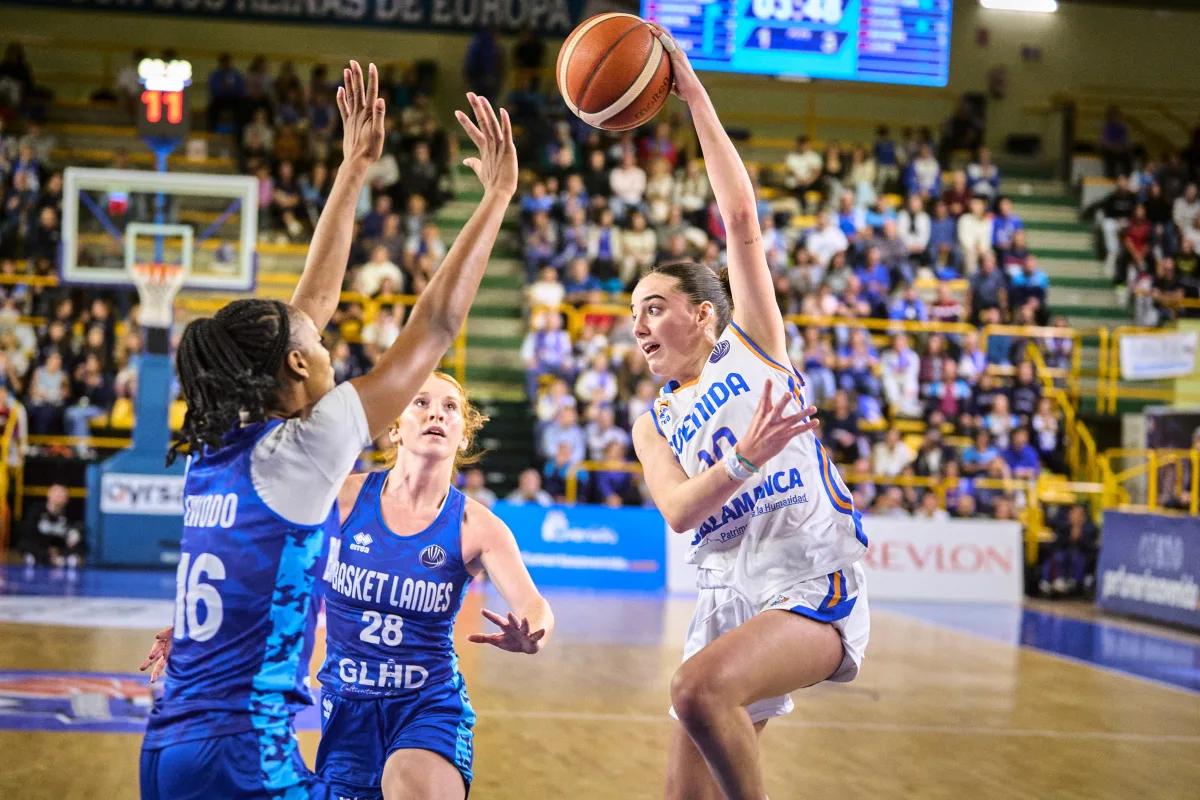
[244, 610]
[390, 601]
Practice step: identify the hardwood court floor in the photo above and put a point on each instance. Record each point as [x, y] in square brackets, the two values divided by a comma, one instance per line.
[937, 713]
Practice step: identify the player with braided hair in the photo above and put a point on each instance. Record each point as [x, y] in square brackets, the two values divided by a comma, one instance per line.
[271, 441]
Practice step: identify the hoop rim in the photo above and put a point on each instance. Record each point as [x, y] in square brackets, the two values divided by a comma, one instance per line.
[157, 272]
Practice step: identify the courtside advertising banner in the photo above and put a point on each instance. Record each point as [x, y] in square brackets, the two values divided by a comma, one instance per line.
[156, 495]
[1150, 567]
[1145, 356]
[589, 547]
[951, 560]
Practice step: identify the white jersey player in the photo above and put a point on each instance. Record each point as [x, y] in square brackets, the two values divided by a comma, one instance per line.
[731, 460]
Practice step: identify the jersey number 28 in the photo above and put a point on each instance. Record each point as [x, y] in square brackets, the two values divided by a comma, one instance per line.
[392, 632]
[192, 592]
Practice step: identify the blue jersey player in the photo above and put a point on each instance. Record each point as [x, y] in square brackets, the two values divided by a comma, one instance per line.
[272, 442]
[396, 719]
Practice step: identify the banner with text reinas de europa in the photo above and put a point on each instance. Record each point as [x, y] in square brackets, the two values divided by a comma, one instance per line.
[589, 547]
[956, 560]
[544, 16]
[1150, 567]
[1145, 356]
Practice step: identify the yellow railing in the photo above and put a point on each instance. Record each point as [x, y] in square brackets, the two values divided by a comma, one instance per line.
[1080, 444]
[572, 491]
[1148, 465]
[9, 473]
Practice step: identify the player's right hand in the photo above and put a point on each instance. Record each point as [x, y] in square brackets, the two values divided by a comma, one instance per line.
[496, 165]
[770, 429]
[685, 84]
[156, 659]
[362, 111]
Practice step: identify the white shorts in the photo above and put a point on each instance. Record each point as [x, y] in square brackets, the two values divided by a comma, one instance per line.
[839, 599]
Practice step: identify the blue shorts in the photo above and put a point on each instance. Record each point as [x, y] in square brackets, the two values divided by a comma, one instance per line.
[359, 735]
[239, 766]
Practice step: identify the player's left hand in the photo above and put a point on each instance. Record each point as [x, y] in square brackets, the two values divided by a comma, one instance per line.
[514, 635]
[685, 84]
[362, 111]
[156, 659]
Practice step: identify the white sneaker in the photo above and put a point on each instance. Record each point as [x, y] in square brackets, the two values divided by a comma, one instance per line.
[1060, 585]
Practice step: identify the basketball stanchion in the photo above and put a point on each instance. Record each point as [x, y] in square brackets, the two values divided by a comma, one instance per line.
[135, 500]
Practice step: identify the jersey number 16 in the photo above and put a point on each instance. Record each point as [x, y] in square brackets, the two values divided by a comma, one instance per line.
[191, 592]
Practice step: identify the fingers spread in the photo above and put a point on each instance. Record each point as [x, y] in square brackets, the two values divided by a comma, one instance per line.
[473, 132]
[493, 617]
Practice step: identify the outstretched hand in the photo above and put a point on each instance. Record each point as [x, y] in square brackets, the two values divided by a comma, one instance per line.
[156, 659]
[496, 165]
[362, 111]
[771, 429]
[685, 83]
[514, 635]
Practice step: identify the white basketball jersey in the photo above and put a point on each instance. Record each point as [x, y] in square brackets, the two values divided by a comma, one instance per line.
[792, 521]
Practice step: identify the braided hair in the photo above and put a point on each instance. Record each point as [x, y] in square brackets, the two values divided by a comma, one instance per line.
[227, 366]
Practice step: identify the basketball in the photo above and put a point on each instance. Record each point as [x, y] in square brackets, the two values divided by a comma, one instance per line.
[614, 72]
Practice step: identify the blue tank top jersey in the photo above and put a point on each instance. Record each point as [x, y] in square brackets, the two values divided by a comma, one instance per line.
[390, 601]
[244, 607]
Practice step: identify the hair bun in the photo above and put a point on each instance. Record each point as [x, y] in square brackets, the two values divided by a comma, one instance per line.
[723, 276]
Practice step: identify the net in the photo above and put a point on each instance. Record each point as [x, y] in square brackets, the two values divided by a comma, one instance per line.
[157, 284]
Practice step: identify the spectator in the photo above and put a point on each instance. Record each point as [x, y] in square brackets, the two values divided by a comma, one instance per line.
[930, 508]
[804, 170]
[529, 490]
[604, 251]
[547, 293]
[48, 392]
[528, 58]
[565, 428]
[1026, 391]
[597, 383]
[422, 176]
[1021, 457]
[981, 452]
[1005, 225]
[974, 234]
[915, 229]
[370, 277]
[49, 535]
[558, 470]
[989, 289]
[891, 456]
[983, 177]
[1115, 147]
[659, 145]
[639, 246]
[611, 485]
[546, 351]
[1116, 209]
[379, 334]
[1071, 565]
[627, 184]
[1000, 421]
[826, 240]
[603, 431]
[924, 174]
[475, 487]
[908, 306]
[692, 191]
[1046, 435]
[580, 285]
[1186, 208]
[843, 430]
[964, 506]
[1135, 255]
[901, 387]
[226, 88]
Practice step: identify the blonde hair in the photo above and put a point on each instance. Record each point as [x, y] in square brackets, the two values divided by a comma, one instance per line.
[473, 422]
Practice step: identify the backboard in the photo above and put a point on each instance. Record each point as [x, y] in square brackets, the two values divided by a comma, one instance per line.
[113, 219]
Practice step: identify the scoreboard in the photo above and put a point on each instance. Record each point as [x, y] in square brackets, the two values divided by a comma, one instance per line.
[885, 41]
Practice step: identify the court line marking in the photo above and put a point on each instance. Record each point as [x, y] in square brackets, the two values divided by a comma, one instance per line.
[1021, 646]
[879, 727]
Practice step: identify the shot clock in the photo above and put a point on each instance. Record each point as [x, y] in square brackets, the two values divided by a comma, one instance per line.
[163, 114]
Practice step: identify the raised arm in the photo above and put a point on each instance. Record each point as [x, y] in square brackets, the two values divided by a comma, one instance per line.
[442, 310]
[754, 306]
[362, 113]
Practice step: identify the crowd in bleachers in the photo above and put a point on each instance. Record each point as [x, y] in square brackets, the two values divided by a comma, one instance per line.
[876, 233]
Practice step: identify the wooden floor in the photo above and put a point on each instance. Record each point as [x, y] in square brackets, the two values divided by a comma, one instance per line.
[936, 714]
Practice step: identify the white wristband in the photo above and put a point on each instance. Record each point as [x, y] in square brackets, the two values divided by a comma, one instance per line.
[735, 469]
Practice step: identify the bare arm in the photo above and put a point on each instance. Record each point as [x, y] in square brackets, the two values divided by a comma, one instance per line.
[686, 502]
[530, 623]
[442, 310]
[362, 113]
[754, 306]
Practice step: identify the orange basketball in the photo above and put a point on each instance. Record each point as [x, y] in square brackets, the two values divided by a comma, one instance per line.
[613, 71]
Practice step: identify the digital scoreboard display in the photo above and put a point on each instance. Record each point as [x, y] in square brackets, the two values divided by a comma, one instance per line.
[885, 41]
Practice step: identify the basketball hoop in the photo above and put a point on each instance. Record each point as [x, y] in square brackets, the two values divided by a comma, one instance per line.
[157, 285]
